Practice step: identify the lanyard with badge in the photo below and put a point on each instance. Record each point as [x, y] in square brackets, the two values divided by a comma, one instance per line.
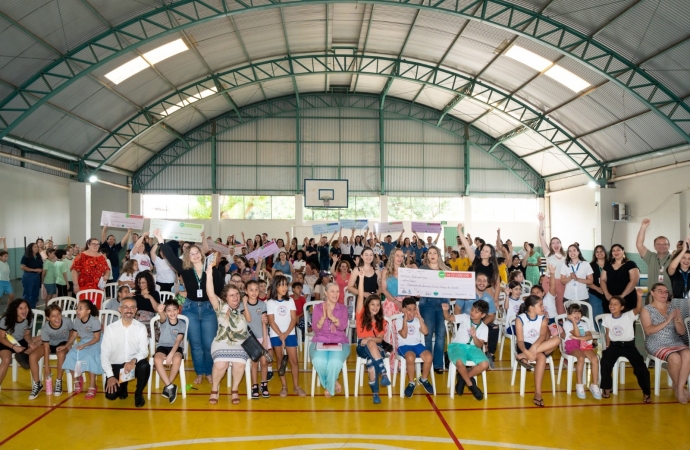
[476, 327]
[199, 291]
[661, 269]
[575, 269]
[685, 282]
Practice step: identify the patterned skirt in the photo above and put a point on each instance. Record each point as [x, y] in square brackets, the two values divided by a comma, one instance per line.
[221, 351]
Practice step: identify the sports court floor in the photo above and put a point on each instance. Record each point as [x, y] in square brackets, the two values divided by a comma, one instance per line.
[504, 420]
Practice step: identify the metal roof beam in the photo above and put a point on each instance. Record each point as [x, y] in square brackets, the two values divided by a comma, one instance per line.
[618, 16]
[366, 41]
[246, 53]
[287, 49]
[173, 132]
[508, 136]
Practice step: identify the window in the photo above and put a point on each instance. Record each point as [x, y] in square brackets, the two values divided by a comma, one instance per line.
[177, 206]
[358, 208]
[257, 207]
[425, 208]
[504, 209]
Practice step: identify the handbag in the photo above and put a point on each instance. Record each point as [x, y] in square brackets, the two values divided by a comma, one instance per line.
[254, 349]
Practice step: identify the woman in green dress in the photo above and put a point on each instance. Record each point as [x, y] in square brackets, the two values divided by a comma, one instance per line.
[531, 262]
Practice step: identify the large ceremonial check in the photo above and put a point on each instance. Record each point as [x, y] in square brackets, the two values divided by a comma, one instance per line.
[434, 283]
[388, 227]
[122, 220]
[263, 252]
[180, 231]
[324, 228]
[426, 227]
[356, 224]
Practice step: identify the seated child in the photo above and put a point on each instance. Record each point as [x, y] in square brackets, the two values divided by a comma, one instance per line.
[578, 343]
[114, 303]
[471, 334]
[410, 346]
[54, 335]
[512, 303]
[169, 351]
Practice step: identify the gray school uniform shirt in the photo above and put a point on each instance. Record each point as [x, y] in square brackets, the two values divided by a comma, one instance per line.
[86, 330]
[256, 312]
[56, 336]
[19, 328]
[170, 332]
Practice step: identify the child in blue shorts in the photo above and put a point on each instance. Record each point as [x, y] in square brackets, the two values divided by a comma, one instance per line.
[410, 346]
[468, 342]
[5, 285]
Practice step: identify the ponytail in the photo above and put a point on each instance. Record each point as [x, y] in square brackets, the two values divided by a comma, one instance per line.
[529, 301]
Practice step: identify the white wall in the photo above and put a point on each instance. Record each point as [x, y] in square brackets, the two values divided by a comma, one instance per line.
[107, 198]
[573, 217]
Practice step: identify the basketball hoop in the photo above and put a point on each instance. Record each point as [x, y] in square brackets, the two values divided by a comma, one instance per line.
[326, 201]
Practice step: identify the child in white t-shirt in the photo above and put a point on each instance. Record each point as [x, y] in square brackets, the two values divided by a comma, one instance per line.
[471, 334]
[578, 343]
[620, 342]
[282, 318]
[512, 303]
[410, 346]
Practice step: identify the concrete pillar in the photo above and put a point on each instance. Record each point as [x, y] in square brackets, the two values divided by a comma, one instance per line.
[299, 210]
[136, 204]
[80, 212]
[467, 204]
[215, 217]
[383, 203]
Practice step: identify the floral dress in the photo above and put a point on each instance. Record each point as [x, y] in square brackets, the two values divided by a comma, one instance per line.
[91, 269]
[232, 331]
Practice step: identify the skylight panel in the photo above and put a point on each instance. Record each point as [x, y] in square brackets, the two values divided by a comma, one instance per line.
[528, 58]
[567, 78]
[127, 70]
[165, 51]
[139, 63]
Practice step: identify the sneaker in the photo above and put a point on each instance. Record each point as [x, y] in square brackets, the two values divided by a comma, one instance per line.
[58, 388]
[409, 390]
[596, 392]
[427, 386]
[283, 366]
[460, 385]
[270, 375]
[474, 389]
[385, 381]
[77, 385]
[22, 359]
[440, 370]
[490, 357]
[165, 392]
[377, 399]
[139, 400]
[173, 393]
[35, 390]
[580, 390]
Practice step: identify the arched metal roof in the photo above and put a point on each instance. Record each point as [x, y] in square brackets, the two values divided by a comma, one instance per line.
[633, 53]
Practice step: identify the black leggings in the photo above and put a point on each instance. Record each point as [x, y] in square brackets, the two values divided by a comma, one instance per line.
[493, 338]
[629, 351]
[142, 371]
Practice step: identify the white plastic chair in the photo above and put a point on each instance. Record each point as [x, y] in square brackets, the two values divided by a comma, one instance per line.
[659, 365]
[523, 371]
[402, 362]
[152, 352]
[351, 304]
[164, 296]
[315, 380]
[589, 315]
[452, 373]
[38, 315]
[619, 366]
[65, 303]
[247, 376]
[107, 317]
[110, 290]
[360, 365]
[95, 296]
[308, 334]
[571, 359]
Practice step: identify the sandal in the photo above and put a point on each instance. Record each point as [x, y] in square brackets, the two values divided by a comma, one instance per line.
[606, 393]
[255, 391]
[91, 393]
[284, 392]
[647, 399]
[539, 402]
[300, 392]
[524, 363]
[264, 389]
[213, 400]
[235, 397]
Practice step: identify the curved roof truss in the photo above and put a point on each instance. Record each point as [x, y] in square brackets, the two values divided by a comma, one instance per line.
[402, 108]
[125, 37]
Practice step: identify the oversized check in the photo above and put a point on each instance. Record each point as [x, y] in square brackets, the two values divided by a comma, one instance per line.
[122, 220]
[356, 224]
[325, 228]
[263, 252]
[433, 283]
[426, 227]
[180, 231]
[216, 247]
[388, 227]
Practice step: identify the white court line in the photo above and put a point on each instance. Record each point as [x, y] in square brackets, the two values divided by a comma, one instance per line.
[390, 438]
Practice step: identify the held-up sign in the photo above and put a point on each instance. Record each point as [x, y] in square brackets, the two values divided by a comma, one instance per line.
[180, 231]
[122, 220]
[436, 283]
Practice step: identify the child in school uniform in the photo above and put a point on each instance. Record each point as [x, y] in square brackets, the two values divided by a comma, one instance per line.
[255, 313]
[114, 303]
[54, 335]
[578, 343]
[534, 341]
[169, 350]
[49, 274]
[410, 346]
[86, 331]
[61, 281]
[620, 342]
[5, 285]
[299, 300]
[282, 317]
[512, 303]
[471, 334]
[263, 290]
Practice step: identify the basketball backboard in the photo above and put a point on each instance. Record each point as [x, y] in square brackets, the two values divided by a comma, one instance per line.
[325, 193]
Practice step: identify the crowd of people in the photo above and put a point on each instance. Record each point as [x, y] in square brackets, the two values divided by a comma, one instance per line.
[540, 298]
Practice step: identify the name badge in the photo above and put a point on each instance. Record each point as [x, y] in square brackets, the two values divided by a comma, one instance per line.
[199, 293]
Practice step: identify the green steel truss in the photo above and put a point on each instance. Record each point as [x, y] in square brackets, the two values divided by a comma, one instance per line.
[288, 105]
[155, 24]
[391, 68]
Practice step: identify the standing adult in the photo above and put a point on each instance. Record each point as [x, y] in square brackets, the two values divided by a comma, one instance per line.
[341, 275]
[32, 265]
[329, 323]
[125, 348]
[393, 302]
[89, 267]
[530, 263]
[197, 307]
[620, 277]
[657, 261]
[555, 257]
[576, 274]
[113, 250]
[370, 273]
[679, 271]
[596, 293]
[432, 312]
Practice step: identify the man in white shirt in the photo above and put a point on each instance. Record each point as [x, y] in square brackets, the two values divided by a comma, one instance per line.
[125, 348]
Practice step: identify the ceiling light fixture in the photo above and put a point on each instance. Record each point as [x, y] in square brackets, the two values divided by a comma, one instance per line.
[140, 63]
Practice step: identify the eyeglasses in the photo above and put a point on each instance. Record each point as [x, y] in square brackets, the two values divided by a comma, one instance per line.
[92, 243]
[132, 308]
[661, 291]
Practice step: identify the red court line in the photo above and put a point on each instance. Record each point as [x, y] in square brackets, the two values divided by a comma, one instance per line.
[591, 405]
[35, 420]
[26, 406]
[443, 421]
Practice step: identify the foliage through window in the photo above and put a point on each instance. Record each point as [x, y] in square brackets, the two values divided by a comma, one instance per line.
[358, 208]
[177, 206]
[504, 209]
[257, 207]
[425, 208]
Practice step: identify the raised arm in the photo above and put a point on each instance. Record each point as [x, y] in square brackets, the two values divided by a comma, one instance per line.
[466, 244]
[204, 243]
[542, 234]
[639, 242]
[4, 242]
[154, 249]
[640, 303]
[210, 289]
[103, 232]
[499, 242]
[139, 242]
[170, 256]
[124, 240]
[437, 237]
[676, 261]
[360, 290]
[400, 238]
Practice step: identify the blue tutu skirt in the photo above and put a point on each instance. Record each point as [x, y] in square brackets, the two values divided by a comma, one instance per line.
[89, 358]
